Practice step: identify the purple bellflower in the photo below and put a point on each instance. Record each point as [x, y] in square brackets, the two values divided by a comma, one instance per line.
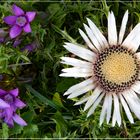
[19, 21]
[9, 103]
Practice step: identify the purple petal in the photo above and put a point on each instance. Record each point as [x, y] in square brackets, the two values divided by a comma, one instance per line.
[29, 48]
[3, 104]
[27, 28]
[13, 107]
[11, 20]
[14, 92]
[17, 10]
[15, 31]
[18, 103]
[10, 122]
[17, 42]
[19, 120]
[30, 16]
[8, 113]
[1, 40]
[1, 114]
[2, 92]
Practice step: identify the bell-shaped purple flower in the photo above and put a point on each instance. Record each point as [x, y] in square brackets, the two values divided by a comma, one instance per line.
[19, 21]
[9, 103]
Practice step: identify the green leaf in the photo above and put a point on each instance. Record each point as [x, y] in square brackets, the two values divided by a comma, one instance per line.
[65, 84]
[16, 130]
[41, 97]
[28, 116]
[5, 131]
[57, 100]
[4, 57]
[30, 130]
[64, 34]
[53, 8]
[25, 58]
[61, 125]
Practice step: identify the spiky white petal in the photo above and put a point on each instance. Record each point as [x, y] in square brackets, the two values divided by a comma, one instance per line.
[112, 31]
[126, 109]
[92, 109]
[136, 87]
[93, 97]
[108, 116]
[123, 27]
[134, 96]
[76, 74]
[83, 100]
[132, 103]
[92, 37]
[135, 42]
[80, 51]
[81, 91]
[101, 39]
[104, 109]
[117, 109]
[86, 39]
[114, 118]
[76, 62]
[132, 41]
[78, 86]
[77, 69]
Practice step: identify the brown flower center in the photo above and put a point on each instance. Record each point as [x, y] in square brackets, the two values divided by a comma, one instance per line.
[116, 69]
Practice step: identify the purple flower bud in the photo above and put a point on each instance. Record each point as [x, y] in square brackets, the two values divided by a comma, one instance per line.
[19, 21]
[1, 40]
[17, 42]
[9, 103]
[30, 47]
[2, 35]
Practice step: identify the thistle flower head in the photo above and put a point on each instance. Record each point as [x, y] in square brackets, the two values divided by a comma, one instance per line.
[111, 68]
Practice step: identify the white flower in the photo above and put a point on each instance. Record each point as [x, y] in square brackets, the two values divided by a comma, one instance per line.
[111, 69]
